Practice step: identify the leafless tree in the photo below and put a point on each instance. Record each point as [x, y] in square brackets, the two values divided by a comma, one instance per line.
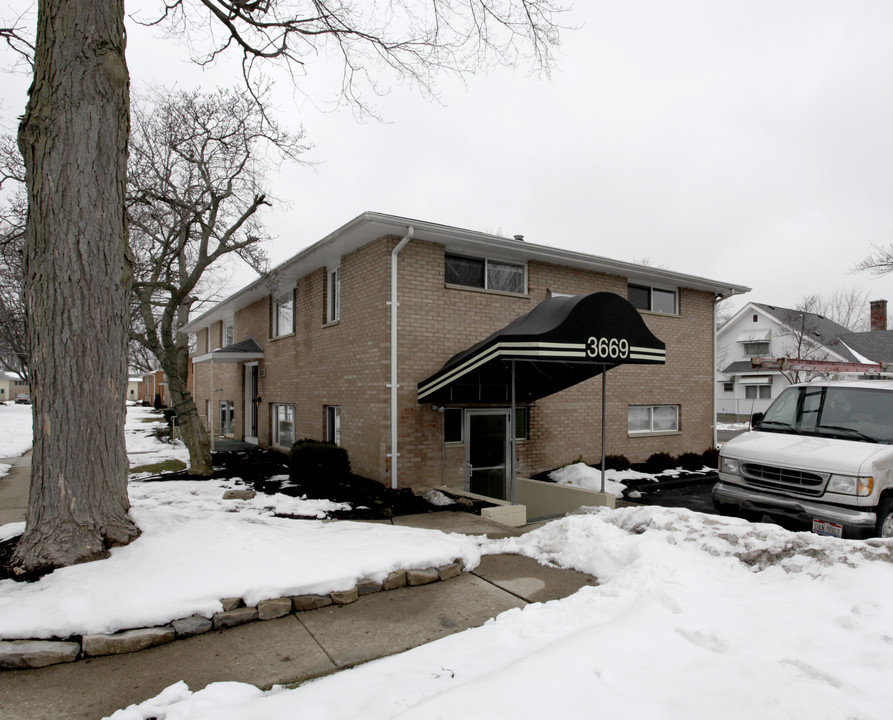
[848, 307]
[804, 337]
[197, 163]
[73, 138]
[878, 262]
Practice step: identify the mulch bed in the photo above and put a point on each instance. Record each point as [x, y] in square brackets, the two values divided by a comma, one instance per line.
[267, 471]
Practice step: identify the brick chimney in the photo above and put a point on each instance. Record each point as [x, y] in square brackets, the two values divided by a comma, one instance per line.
[878, 315]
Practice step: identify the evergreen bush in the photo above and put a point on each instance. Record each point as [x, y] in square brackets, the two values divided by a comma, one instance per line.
[690, 461]
[660, 461]
[311, 461]
[710, 458]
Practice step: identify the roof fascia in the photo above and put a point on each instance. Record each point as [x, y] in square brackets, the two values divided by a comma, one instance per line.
[370, 226]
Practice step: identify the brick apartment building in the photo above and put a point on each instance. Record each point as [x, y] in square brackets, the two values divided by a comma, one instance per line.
[307, 352]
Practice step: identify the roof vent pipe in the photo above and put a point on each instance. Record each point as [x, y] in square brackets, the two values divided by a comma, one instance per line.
[519, 238]
[394, 455]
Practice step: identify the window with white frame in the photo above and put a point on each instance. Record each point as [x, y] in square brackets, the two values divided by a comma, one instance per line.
[652, 299]
[229, 332]
[333, 424]
[728, 386]
[485, 273]
[284, 314]
[284, 424]
[652, 419]
[333, 296]
[758, 392]
[756, 348]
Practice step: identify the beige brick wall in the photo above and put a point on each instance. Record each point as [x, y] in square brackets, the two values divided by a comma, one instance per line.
[348, 364]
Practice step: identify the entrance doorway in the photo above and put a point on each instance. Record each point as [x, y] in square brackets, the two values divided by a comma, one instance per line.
[251, 376]
[487, 452]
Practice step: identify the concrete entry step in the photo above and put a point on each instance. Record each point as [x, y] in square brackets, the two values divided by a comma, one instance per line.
[526, 579]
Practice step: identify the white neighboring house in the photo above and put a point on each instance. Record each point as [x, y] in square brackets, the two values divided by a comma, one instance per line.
[759, 330]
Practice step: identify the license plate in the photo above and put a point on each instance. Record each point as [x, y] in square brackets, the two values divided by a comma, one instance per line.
[823, 527]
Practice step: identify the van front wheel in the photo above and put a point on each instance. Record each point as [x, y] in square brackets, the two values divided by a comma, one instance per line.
[885, 518]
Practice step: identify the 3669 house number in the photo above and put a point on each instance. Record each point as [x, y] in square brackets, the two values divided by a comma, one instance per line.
[607, 348]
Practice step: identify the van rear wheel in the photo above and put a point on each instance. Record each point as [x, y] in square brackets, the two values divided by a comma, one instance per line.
[885, 518]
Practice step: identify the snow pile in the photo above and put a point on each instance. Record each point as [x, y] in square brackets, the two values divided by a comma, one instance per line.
[15, 430]
[581, 475]
[196, 548]
[435, 497]
[695, 617]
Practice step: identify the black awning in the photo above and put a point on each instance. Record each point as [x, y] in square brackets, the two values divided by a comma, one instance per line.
[561, 342]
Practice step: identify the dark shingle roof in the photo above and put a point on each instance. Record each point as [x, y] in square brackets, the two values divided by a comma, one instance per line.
[817, 327]
[876, 346]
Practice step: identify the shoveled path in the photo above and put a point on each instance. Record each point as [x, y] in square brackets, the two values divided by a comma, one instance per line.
[301, 646]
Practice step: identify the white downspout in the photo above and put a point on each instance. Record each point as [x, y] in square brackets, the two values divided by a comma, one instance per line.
[394, 455]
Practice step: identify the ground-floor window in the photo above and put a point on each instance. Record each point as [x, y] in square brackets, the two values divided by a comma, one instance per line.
[758, 392]
[283, 424]
[333, 424]
[226, 417]
[652, 418]
[728, 386]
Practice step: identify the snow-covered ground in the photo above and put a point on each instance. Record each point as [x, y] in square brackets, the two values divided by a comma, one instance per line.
[196, 548]
[695, 616]
[582, 475]
[143, 448]
[15, 430]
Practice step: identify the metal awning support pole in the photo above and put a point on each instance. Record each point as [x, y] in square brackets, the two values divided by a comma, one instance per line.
[604, 419]
[513, 440]
[211, 405]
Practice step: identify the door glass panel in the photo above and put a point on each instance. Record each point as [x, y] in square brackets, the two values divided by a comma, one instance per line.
[487, 454]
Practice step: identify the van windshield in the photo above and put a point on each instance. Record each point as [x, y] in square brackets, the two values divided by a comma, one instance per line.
[861, 414]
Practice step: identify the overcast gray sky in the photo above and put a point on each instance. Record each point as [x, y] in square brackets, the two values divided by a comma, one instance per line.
[748, 142]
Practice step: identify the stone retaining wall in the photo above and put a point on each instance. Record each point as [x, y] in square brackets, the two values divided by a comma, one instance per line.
[22, 654]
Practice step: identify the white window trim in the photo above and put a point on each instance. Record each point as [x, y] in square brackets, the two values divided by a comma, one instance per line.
[333, 430]
[277, 302]
[651, 289]
[333, 295]
[275, 424]
[230, 325]
[487, 260]
[653, 432]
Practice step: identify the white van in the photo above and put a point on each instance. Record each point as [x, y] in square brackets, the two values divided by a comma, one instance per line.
[821, 454]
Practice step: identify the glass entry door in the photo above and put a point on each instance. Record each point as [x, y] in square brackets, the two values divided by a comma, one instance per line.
[487, 452]
[251, 385]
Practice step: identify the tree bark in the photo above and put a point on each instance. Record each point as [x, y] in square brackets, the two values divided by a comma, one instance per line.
[194, 434]
[73, 138]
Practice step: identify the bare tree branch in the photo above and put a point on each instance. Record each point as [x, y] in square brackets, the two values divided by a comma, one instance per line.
[372, 42]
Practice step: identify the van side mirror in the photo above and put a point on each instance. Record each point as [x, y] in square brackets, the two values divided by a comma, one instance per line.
[755, 419]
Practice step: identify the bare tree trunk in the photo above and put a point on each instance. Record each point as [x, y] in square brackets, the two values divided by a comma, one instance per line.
[73, 138]
[195, 436]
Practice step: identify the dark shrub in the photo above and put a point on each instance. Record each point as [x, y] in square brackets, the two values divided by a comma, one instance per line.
[690, 461]
[311, 461]
[158, 404]
[710, 457]
[616, 462]
[169, 416]
[660, 461]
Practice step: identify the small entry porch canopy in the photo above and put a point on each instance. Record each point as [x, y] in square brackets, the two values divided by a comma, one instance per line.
[245, 351]
[561, 342]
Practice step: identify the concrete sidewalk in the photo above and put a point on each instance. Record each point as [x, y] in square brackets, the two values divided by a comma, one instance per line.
[300, 646]
[14, 489]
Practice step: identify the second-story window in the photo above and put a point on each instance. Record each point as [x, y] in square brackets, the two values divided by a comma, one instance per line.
[652, 299]
[284, 314]
[333, 296]
[229, 332]
[484, 273]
